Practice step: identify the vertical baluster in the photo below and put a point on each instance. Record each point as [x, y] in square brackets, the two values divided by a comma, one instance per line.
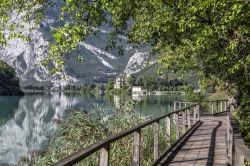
[183, 117]
[104, 156]
[137, 142]
[188, 119]
[198, 111]
[184, 120]
[175, 105]
[194, 114]
[156, 140]
[168, 129]
[212, 105]
[177, 125]
[225, 103]
[217, 106]
[221, 106]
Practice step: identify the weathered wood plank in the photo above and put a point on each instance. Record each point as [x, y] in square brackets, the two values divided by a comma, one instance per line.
[212, 107]
[168, 122]
[177, 130]
[206, 146]
[156, 140]
[104, 156]
[137, 142]
[188, 119]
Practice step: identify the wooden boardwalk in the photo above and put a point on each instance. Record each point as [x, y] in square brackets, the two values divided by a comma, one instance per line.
[201, 140]
[205, 146]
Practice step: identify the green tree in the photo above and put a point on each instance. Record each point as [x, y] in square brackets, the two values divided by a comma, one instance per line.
[209, 37]
[110, 85]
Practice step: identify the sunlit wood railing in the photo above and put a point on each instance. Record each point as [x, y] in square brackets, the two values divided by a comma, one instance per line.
[213, 106]
[187, 118]
[238, 152]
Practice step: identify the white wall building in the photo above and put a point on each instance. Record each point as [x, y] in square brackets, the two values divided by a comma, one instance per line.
[138, 90]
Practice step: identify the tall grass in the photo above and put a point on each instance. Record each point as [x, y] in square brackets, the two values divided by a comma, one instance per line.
[81, 130]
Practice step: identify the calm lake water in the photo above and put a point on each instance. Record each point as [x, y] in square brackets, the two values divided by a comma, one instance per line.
[26, 122]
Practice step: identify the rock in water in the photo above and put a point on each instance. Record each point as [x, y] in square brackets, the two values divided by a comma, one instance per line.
[9, 83]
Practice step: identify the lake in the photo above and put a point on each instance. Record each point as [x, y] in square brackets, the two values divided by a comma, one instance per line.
[27, 122]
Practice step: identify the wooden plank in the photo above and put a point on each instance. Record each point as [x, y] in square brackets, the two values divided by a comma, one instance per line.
[194, 114]
[225, 105]
[188, 119]
[212, 105]
[184, 118]
[137, 142]
[104, 156]
[156, 140]
[177, 125]
[221, 106]
[168, 129]
[198, 111]
[82, 154]
[217, 106]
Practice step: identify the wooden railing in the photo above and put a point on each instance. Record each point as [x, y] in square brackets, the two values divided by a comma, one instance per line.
[238, 152]
[188, 116]
[214, 106]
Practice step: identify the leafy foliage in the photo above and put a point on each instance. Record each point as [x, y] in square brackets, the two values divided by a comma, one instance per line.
[211, 37]
[9, 84]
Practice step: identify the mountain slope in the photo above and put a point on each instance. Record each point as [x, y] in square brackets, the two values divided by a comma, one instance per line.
[98, 64]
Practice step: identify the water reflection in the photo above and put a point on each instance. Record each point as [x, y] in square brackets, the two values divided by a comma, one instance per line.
[26, 123]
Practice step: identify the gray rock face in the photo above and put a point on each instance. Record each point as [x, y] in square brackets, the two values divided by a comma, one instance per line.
[98, 65]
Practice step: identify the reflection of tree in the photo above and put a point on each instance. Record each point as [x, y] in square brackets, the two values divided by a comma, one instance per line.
[7, 111]
[28, 122]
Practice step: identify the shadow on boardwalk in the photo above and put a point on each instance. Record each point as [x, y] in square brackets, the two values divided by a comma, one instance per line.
[205, 146]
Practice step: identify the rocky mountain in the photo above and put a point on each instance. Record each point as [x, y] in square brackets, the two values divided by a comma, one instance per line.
[98, 64]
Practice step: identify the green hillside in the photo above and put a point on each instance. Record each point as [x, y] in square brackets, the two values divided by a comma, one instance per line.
[151, 79]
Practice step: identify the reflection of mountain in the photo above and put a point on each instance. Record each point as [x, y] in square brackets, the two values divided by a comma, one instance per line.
[32, 122]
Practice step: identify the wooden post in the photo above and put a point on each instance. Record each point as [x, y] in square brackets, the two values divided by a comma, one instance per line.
[168, 130]
[194, 114]
[217, 106]
[212, 105]
[184, 117]
[156, 140]
[174, 105]
[198, 111]
[225, 103]
[104, 156]
[177, 125]
[221, 106]
[184, 120]
[188, 119]
[185, 104]
[137, 142]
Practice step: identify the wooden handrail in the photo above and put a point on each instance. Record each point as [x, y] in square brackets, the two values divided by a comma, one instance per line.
[216, 105]
[238, 152]
[104, 144]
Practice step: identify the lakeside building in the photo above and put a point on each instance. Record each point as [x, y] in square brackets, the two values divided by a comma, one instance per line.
[138, 90]
[121, 81]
